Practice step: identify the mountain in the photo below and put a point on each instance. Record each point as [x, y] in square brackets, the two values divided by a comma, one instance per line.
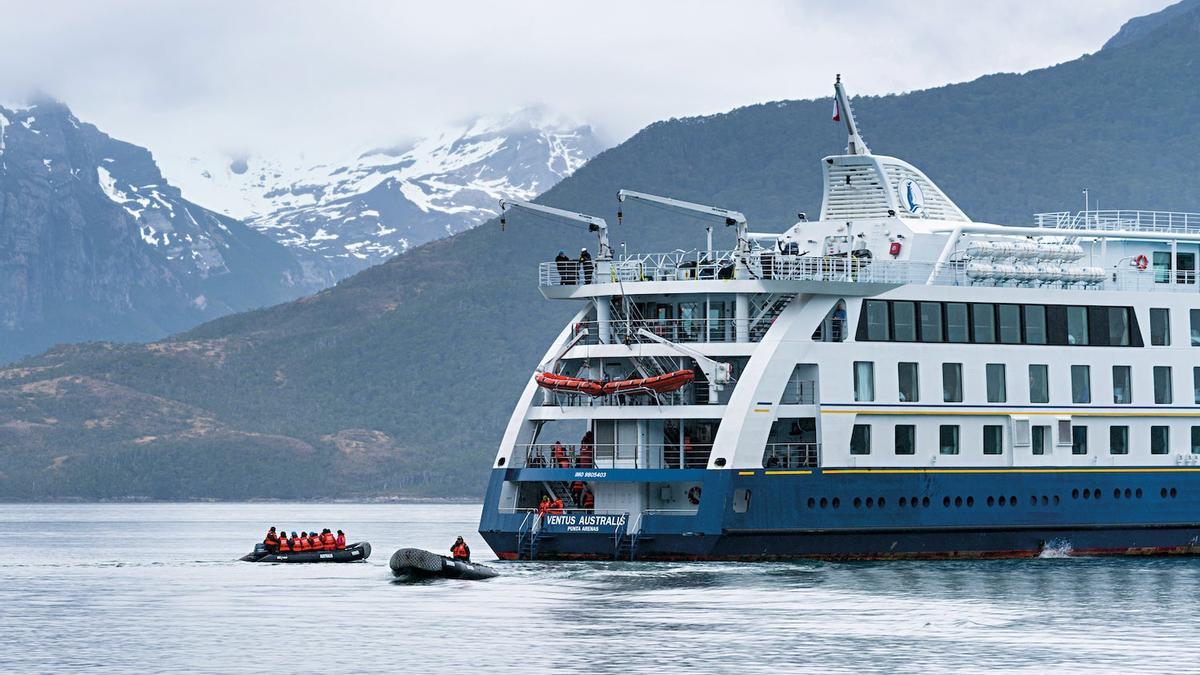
[95, 244]
[343, 217]
[399, 380]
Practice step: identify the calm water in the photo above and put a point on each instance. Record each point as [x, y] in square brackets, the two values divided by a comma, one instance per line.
[157, 588]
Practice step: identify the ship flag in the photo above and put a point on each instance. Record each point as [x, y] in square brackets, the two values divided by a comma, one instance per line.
[837, 110]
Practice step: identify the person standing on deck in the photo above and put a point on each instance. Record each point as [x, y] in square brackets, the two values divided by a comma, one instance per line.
[585, 265]
[563, 264]
[587, 451]
[560, 456]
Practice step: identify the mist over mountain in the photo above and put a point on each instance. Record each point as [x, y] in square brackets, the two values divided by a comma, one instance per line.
[399, 379]
[96, 244]
[346, 216]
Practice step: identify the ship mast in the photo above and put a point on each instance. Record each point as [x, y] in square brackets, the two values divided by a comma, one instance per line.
[855, 145]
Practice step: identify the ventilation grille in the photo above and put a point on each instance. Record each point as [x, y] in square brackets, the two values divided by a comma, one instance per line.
[863, 196]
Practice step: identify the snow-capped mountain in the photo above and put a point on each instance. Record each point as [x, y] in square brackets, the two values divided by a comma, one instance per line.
[96, 244]
[344, 216]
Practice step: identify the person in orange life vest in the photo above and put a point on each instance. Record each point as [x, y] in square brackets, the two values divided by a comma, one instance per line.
[271, 541]
[560, 456]
[314, 541]
[294, 543]
[576, 491]
[284, 546]
[328, 542]
[589, 499]
[460, 550]
[587, 451]
[556, 507]
[340, 543]
[544, 505]
[302, 542]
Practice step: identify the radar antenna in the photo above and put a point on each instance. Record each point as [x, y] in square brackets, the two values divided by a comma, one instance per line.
[855, 145]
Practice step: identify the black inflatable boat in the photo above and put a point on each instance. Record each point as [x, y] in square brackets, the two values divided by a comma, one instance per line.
[414, 563]
[352, 553]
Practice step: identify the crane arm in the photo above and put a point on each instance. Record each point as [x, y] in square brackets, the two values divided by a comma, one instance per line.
[734, 218]
[594, 223]
[718, 373]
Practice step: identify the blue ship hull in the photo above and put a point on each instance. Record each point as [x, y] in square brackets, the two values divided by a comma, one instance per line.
[881, 513]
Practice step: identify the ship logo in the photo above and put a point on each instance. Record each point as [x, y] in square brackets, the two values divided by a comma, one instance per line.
[912, 199]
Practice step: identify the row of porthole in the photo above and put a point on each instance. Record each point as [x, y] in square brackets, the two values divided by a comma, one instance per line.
[1087, 493]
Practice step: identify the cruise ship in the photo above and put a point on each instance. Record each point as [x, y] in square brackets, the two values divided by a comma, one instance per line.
[889, 380]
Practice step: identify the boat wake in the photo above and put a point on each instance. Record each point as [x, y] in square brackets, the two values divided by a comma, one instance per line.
[1057, 548]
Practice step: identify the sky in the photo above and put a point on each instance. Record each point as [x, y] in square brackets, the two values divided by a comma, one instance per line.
[295, 78]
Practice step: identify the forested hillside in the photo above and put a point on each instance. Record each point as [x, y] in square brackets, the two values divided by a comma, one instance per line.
[399, 380]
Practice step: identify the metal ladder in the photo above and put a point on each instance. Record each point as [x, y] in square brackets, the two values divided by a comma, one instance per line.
[527, 537]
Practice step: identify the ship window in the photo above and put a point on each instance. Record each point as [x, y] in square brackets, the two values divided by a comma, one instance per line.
[952, 390]
[931, 322]
[1079, 441]
[1185, 268]
[1160, 437]
[996, 389]
[1041, 438]
[983, 323]
[1118, 327]
[904, 322]
[1035, 324]
[1162, 267]
[1118, 440]
[864, 381]
[1162, 386]
[1194, 315]
[993, 439]
[1077, 326]
[1010, 323]
[1160, 327]
[956, 323]
[860, 440]
[909, 385]
[1039, 383]
[877, 320]
[1122, 384]
[948, 439]
[906, 439]
[1196, 440]
[1196, 384]
[1081, 384]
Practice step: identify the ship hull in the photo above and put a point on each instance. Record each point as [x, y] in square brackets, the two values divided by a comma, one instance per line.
[958, 513]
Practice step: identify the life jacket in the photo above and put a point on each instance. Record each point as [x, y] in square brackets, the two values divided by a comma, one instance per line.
[460, 551]
[556, 507]
[577, 486]
[560, 457]
[301, 544]
[271, 540]
[328, 543]
[284, 546]
[314, 542]
[543, 506]
[341, 542]
[589, 500]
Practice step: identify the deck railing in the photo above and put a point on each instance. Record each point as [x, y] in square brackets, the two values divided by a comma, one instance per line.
[1123, 277]
[1138, 221]
[791, 455]
[614, 456]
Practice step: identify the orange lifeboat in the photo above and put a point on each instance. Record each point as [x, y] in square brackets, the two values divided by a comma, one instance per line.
[557, 382]
[659, 383]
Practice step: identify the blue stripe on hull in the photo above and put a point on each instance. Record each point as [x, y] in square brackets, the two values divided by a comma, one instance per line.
[952, 516]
